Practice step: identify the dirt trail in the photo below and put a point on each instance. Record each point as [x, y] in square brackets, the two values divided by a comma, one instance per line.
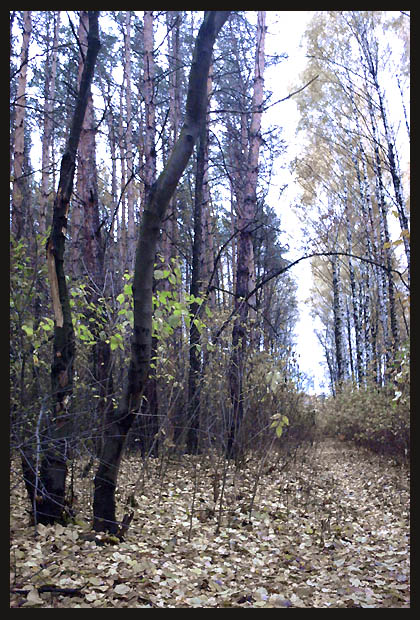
[330, 529]
[365, 522]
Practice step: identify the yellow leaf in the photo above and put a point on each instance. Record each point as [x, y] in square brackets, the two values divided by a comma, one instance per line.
[42, 529]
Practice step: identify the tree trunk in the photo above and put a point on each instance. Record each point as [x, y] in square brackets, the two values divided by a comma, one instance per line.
[150, 407]
[245, 275]
[48, 130]
[387, 283]
[152, 217]
[76, 247]
[175, 64]
[122, 224]
[92, 258]
[131, 233]
[370, 54]
[54, 464]
[198, 274]
[193, 419]
[19, 182]
[338, 324]
[354, 300]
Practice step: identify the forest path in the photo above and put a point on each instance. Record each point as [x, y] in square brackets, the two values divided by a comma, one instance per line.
[328, 529]
[363, 524]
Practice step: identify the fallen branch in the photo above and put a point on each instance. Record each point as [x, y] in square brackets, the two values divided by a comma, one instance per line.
[49, 588]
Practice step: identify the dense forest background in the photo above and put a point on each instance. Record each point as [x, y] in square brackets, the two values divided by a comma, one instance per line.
[93, 132]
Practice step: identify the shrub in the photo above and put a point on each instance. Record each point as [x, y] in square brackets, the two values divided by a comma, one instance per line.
[374, 417]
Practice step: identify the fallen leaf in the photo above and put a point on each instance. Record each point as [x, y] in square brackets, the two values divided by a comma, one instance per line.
[33, 597]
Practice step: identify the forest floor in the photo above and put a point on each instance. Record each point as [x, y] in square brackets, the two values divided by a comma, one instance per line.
[328, 528]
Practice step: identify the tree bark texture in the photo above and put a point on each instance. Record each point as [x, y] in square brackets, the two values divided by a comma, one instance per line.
[18, 192]
[82, 162]
[131, 233]
[370, 53]
[54, 464]
[148, 423]
[198, 273]
[193, 419]
[355, 304]
[154, 211]
[92, 260]
[48, 130]
[245, 274]
[149, 102]
[338, 324]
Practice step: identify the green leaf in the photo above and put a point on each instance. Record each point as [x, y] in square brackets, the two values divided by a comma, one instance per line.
[121, 298]
[47, 324]
[161, 274]
[116, 341]
[174, 319]
[28, 330]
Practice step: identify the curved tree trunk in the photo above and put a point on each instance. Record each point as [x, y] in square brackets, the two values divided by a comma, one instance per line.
[154, 211]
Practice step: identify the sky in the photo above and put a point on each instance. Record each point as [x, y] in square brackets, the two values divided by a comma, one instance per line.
[284, 35]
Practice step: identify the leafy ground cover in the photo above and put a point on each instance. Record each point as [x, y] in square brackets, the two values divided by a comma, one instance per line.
[329, 529]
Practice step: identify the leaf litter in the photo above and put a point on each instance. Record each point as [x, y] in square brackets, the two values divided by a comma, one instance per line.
[330, 529]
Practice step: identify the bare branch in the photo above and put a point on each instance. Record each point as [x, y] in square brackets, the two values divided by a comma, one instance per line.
[289, 96]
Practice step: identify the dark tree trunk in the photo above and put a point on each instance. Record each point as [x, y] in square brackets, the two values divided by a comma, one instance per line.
[53, 473]
[193, 420]
[245, 274]
[154, 211]
[338, 325]
[92, 255]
